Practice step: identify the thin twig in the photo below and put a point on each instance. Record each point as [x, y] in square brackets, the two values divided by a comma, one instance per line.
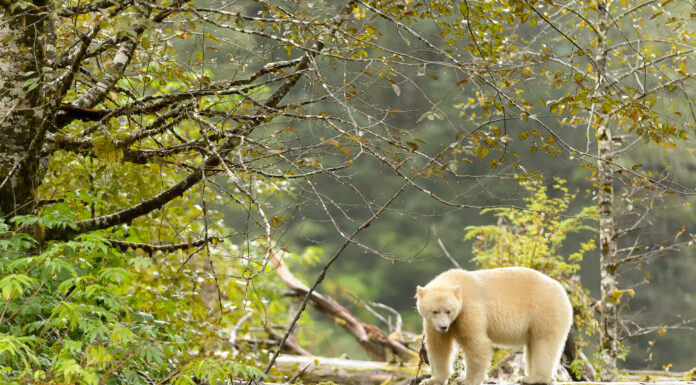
[444, 249]
[237, 326]
[397, 315]
[298, 375]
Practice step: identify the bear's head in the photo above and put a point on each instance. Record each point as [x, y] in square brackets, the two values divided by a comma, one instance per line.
[439, 306]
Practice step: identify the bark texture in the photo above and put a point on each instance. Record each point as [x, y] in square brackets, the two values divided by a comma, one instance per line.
[21, 108]
[607, 231]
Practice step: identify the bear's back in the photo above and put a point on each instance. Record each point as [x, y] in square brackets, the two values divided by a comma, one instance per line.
[518, 300]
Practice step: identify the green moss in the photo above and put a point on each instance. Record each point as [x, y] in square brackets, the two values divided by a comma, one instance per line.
[106, 150]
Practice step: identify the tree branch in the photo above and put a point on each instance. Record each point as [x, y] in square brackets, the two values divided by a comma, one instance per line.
[97, 93]
[651, 253]
[373, 340]
[87, 8]
[123, 245]
[291, 343]
[119, 63]
[131, 213]
[190, 180]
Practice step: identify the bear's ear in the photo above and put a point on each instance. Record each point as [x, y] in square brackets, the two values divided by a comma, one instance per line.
[419, 292]
[455, 289]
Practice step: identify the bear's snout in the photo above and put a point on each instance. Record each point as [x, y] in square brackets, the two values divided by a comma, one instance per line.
[443, 328]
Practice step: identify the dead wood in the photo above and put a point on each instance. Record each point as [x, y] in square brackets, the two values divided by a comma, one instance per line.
[353, 372]
[373, 340]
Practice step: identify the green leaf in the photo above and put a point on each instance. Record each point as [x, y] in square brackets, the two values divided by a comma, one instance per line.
[113, 275]
[14, 285]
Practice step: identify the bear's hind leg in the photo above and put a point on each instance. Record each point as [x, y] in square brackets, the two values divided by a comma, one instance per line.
[543, 355]
[440, 347]
[527, 361]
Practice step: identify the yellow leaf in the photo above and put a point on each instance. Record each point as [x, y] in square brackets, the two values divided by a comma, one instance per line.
[615, 296]
[343, 149]
[358, 13]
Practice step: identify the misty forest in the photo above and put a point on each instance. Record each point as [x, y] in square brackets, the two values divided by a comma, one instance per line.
[250, 191]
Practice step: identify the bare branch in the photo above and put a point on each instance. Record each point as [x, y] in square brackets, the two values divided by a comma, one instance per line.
[290, 343]
[657, 251]
[444, 250]
[233, 333]
[370, 338]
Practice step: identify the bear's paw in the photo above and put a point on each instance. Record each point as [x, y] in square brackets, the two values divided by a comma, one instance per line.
[465, 381]
[528, 380]
[431, 381]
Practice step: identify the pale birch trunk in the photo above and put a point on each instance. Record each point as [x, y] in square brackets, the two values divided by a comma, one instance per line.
[605, 194]
[21, 106]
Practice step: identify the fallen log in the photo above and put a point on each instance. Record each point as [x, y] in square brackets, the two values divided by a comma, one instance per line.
[344, 371]
[659, 375]
[314, 370]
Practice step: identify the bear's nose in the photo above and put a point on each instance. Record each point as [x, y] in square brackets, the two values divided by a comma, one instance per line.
[443, 328]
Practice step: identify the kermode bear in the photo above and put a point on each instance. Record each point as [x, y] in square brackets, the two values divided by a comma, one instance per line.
[510, 306]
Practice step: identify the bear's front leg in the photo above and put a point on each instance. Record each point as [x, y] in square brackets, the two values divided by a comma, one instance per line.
[440, 347]
[477, 356]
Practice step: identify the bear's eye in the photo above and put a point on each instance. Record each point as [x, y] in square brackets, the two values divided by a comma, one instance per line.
[436, 312]
[448, 312]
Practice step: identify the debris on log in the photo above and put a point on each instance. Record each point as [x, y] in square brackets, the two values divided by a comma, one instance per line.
[343, 371]
[511, 369]
[660, 375]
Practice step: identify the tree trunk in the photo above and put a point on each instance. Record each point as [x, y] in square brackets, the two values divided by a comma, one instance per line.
[21, 106]
[607, 240]
[572, 353]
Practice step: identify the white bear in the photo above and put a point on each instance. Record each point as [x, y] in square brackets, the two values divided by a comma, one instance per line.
[509, 306]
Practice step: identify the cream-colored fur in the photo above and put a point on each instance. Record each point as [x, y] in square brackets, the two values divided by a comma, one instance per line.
[510, 306]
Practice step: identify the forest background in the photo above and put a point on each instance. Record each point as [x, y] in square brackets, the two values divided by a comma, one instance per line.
[158, 157]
